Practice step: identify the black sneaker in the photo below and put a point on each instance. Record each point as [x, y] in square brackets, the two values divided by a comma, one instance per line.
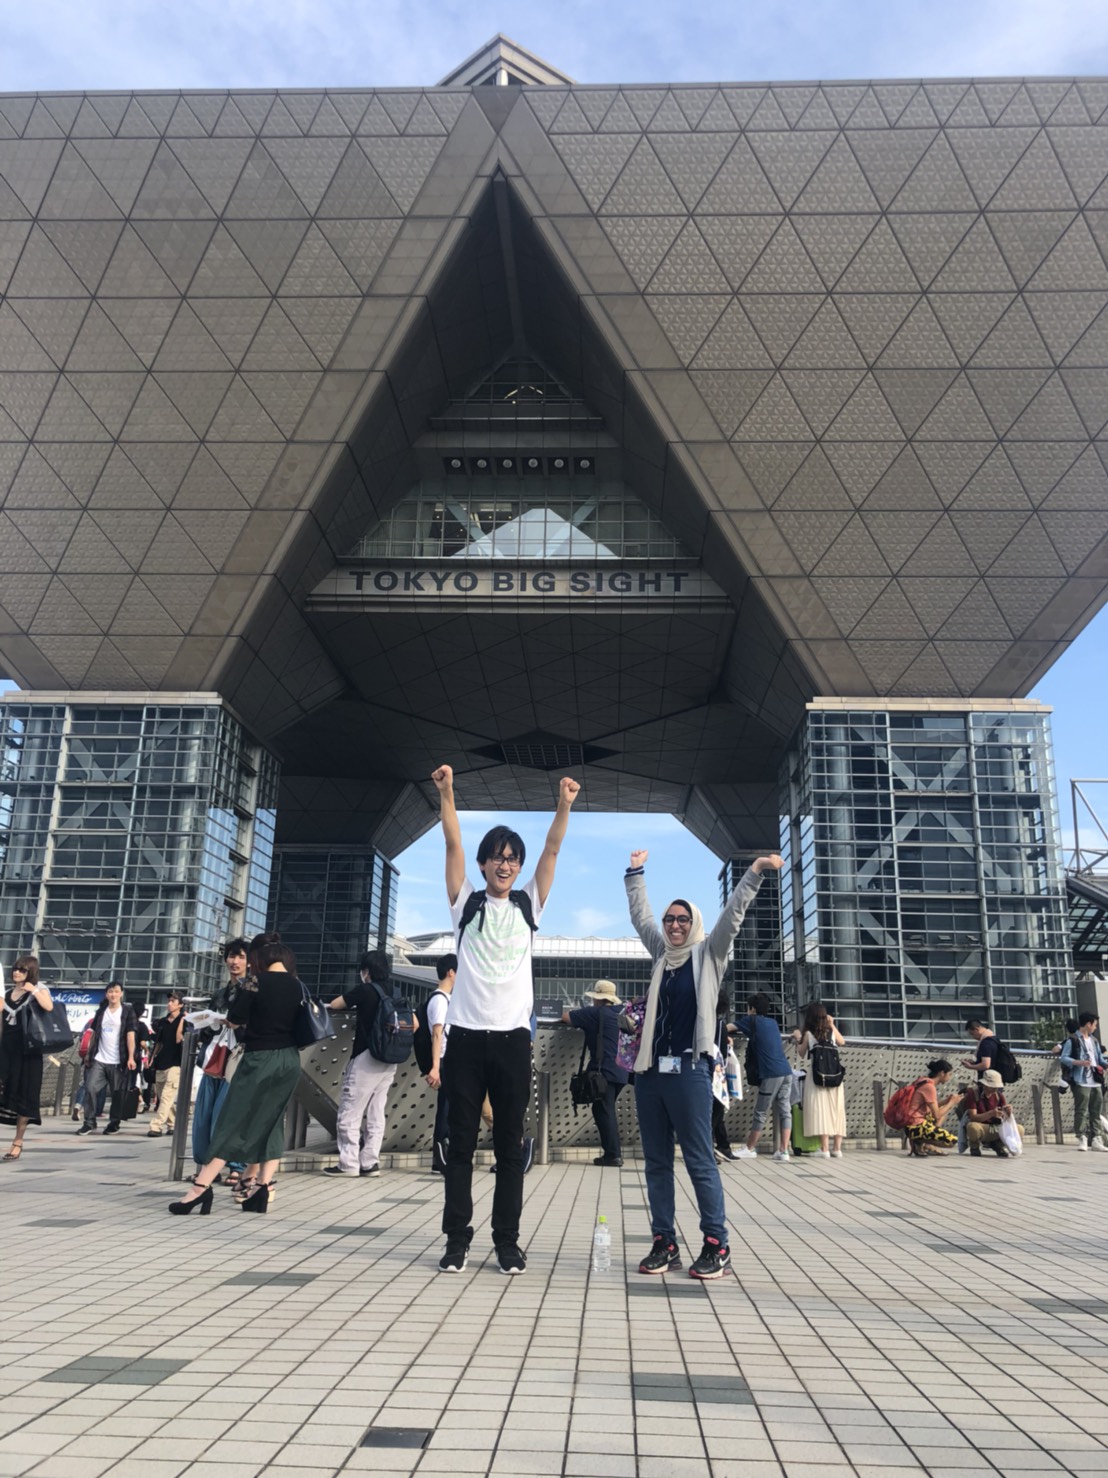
[111, 1128]
[87, 1129]
[713, 1261]
[528, 1158]
[663, 1257]
[999, 1150]
[728, 1153]
[511, 1260]
[455, 1257]
[334, 1170]
[606, 1160]
[373, 1170]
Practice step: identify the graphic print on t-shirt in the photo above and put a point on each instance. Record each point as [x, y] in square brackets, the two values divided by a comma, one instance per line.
[494, 989]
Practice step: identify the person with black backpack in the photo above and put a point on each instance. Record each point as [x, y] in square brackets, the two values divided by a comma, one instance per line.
[824, 1102]
[360, 1125]
[490, 1018]
[991, 1053]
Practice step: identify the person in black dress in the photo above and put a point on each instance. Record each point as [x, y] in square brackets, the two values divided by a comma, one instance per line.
[251, 1126]
[20, 1070]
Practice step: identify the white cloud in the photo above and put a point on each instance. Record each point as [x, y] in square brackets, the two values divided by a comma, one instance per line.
[59, 44]
[590, 920]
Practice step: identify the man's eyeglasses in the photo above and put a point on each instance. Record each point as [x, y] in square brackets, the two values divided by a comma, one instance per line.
[507, 861]
[676, 918]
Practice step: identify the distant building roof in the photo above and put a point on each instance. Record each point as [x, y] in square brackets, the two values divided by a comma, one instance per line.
[502, 62]
[558, 946]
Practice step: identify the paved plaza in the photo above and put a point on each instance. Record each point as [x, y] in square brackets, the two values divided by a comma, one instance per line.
[886, 1317]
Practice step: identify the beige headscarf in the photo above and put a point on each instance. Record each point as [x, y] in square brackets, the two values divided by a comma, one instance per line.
[674, 958]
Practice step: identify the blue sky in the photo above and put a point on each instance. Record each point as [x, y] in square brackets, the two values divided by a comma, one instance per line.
[62, 44]
[308, 43]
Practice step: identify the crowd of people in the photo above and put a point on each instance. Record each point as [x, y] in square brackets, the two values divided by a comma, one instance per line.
[670, 1046]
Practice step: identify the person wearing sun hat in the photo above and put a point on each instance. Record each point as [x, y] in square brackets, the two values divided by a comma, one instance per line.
[600, 1023]
[984, 1108]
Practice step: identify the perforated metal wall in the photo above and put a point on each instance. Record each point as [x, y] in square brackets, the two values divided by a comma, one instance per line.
[411, 1106]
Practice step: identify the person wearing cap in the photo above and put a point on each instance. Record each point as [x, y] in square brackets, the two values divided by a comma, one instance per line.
[600, 1023]
[984, 1108]
[166, 1061]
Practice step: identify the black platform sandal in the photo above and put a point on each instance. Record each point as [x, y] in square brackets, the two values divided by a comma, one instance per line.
[258, 1199]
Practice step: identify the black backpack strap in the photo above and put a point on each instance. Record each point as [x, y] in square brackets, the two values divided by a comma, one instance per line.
[473, 906]
[522, 901]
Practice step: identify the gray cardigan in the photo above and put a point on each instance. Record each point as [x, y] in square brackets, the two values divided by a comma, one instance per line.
[710, 959]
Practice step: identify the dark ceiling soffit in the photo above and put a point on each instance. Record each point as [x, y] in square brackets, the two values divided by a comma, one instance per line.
[467, 320]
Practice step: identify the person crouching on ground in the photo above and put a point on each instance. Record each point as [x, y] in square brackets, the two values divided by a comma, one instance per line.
[926, 1112]
[985, 1108]
[673, 1068]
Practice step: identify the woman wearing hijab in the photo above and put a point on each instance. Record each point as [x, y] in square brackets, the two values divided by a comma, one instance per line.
[673, 1068]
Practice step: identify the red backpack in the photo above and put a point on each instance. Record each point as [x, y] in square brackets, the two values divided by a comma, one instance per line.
[899, 1105]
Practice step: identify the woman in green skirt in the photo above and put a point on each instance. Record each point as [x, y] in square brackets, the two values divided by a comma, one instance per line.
[251, 1124]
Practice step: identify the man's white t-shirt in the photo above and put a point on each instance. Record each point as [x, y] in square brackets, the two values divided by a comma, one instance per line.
[437, 1007]
[494, 989]
[107, 1049]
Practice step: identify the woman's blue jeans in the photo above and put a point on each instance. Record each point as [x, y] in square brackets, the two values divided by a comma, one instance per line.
[677, 1108]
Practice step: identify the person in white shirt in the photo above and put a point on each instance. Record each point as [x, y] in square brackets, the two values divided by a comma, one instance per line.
[490, 1018]
[438, 1006]
[111, 1057]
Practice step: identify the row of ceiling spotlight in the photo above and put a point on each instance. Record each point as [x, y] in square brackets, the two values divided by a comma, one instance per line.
[564, 464]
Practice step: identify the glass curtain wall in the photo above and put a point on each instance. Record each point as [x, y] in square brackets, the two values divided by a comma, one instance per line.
[331, 904]
[924, 879]
[134, 839]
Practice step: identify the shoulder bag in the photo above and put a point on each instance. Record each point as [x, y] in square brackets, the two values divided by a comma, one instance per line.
[631, 1019]
[587, 1087]
[312, 1022]
[45, 1031]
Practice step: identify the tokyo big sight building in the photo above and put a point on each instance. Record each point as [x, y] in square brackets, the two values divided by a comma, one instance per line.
[739, 448]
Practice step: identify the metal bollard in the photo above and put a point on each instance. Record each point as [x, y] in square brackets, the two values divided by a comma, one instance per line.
[1037, 1109]
[879, 1113]
[1059, 1131]
[59, 1089]
[542, 1136]
[180, 1137]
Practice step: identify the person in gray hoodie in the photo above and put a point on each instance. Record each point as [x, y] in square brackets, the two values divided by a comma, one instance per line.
[673, 1067]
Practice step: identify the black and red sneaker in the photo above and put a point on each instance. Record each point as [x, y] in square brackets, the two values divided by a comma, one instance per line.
[662, 1257]
[714, 1260]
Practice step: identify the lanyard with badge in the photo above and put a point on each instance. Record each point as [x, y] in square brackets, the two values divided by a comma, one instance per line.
[667, 1062]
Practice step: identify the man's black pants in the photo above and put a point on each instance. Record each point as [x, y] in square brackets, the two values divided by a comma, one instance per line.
[604, 1113]
[499, 1064]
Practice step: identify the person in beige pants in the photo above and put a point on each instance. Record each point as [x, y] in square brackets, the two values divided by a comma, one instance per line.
[168, 1035]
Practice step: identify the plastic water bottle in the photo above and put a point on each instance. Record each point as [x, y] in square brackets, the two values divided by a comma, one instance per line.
[602, 1247]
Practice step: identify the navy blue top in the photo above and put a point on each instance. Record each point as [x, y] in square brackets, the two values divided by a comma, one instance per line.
[769, 1055]
[675, 1023]
[606, 1018]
